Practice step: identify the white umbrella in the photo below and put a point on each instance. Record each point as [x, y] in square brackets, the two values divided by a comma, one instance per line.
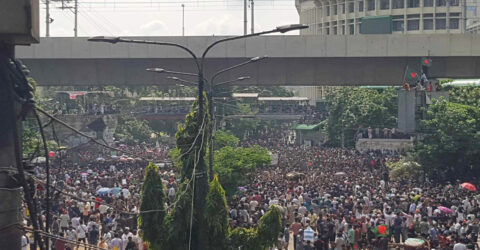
[340, 173]
[39, 159]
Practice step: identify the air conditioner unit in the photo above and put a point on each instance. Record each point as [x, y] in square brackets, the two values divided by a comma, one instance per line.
[19, 22]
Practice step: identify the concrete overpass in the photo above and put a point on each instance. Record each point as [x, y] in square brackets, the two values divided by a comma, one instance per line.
[293, 60]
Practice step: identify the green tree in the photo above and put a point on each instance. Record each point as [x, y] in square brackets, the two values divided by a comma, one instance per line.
[192, 142]
[465, 95]
[216, 214]
[451, 145]
[133, 130]
[263, 236]
[233, 165]
[152, 207]
[353, 108]
[178, 221]
[225, 138]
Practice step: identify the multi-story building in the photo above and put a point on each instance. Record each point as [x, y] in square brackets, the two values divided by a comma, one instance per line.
[344, 17]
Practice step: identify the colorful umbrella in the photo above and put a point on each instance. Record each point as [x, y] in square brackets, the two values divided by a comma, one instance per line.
[469, 186]
[445, 209]
[103, 191]
[381, 231]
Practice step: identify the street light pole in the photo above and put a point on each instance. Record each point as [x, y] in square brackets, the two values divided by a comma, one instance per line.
[253, 15]
[183, 19]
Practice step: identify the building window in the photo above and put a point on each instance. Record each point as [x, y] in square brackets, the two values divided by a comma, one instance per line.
[328, 31]
[360, 6]
[397, 4]
[427, 24]
[454, 2]
[397, 25]
[440, 24]
[351, 7]
[413, 3]
[441, 3]
[427, 3]
[343, 8]
[413, 25]
[454, 24]
[335, 10]
[370, 4]
[455, 14]
[427, 15]
[328, 11]
[384, 4]
[352, 29]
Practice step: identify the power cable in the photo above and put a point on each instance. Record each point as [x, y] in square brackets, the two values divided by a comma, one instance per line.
[87, 136]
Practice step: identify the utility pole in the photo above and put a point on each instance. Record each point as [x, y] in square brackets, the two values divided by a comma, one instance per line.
[75, 12]
[465, 16]
[47, 9]
[245, 17]
[183, 19]
[252, 21]
[10, 192]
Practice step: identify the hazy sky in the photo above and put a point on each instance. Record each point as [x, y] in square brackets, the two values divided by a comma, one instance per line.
[164, 17]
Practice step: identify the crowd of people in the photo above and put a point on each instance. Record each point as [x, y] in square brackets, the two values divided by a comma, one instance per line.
[344, 199]
[330, 198]
[96, 196]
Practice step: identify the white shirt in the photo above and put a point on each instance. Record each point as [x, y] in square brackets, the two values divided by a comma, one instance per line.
[75, 222]
[82, 231]
[24, 242]
[459, 246]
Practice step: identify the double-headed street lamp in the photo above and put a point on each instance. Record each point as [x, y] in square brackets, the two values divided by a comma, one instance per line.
[200, 186]
[210, 95]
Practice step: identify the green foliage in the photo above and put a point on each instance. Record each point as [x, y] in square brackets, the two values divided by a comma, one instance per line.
[465, 95]
[174, 155]
[133, 130]
[404, 169]
[177, 222]
[263, 236]
[216, 214]
[244, 237]
[269, 227]
[451, 145]
[234, 164]
[193, 135]
[153, 197]
[225, 138]
[353, 108]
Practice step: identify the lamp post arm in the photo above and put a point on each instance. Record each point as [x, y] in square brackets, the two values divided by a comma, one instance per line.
[227, 69]
[230, 39]
[122, 40]
[180, 73]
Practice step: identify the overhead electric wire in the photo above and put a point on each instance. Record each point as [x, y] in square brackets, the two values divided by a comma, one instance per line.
[88, 136]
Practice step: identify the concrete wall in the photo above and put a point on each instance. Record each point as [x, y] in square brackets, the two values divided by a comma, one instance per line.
[407, 105]
[363, 145]
[80, 122]
[293, 60]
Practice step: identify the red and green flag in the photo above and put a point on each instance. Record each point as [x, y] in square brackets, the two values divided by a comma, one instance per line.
[411, 76]
[381, 231]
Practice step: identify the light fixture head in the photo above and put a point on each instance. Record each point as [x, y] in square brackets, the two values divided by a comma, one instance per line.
[156, 70]
[104, 39]
[290, 27]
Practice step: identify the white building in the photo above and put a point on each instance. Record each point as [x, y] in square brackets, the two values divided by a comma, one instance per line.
[343, 17]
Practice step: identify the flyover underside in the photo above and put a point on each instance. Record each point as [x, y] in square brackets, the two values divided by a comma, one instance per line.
[299, 71]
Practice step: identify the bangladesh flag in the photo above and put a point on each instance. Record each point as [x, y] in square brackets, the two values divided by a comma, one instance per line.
[381, 231]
